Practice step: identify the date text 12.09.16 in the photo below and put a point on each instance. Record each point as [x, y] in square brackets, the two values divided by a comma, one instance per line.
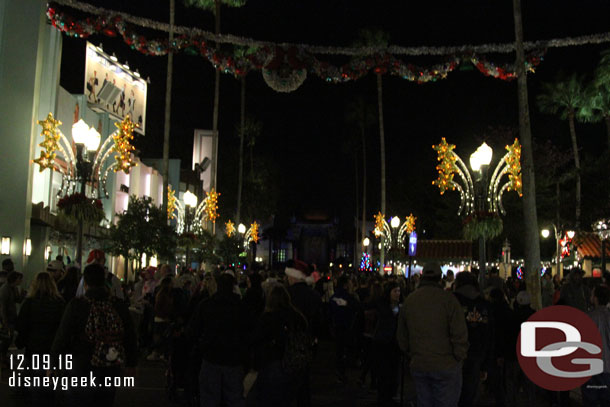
[40, 362]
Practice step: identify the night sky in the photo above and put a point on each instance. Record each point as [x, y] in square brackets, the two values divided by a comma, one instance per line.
[303, 145]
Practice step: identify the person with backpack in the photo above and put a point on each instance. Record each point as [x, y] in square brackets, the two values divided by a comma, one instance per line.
[282, 350]
[309, 303]
[98, 332]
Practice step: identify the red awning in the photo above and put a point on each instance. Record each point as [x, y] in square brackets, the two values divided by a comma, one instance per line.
[459, 250]
[589, 245]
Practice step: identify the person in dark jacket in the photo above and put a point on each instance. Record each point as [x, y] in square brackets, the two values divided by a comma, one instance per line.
[274, 385]
[68, 284]
[84, 333]
[478, 320]
[254, 299]
[343, 315]
[574, 292]
[385, 345]
[432, 332]
[219, 325]
[515, 378]
[502, 320]
[309, 303]
[38, 320]
[10, 296]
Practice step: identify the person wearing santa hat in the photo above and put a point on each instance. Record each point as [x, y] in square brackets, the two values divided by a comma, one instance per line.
[308, 302]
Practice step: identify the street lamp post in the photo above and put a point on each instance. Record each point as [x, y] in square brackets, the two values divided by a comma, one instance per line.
[479, 162]
[602, 228]
[88, 166]
[87, 141]
[190, 202]
[481, 204]
[393, 234]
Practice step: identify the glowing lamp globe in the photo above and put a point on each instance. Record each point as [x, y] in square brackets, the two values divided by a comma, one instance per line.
[485, 154]
[395, 222]
[241, 228]
[366, 242]
[92, 142]
[80, 130]
[190, 199]
[545, 233]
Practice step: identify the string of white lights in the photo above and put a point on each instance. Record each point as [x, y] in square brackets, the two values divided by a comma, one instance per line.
[501, 48]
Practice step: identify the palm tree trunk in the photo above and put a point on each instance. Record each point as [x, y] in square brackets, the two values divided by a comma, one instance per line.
[357, 196]
[168, 104]
[240, 180]
[363, 228]
[216, 102]
[530, 217]
[576, 164]
[382, 153]
[607, 119]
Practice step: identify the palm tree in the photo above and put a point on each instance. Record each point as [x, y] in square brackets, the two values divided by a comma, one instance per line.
[566, 97]
[600, 95]
[215, 6]
[362, 115]
[530, 217]
[600, 103]
[378, 39]
[168, 104]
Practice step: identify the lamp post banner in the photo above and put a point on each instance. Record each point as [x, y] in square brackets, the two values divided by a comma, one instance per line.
[412, 244]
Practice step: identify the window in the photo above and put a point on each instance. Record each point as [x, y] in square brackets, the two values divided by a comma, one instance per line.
[281, 255]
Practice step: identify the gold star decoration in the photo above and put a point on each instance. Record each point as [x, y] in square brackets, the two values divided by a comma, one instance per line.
[211, 205]
[171, 203]
[254, 232]
[379, 220]
[49, 144]
[514, 167]
[230, 228]
[410, 221]
[446, 168]
[123, 146]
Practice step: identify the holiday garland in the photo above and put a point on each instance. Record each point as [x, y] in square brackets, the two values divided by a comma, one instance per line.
[486, 225]
[254, 232]
[78, 207]
[284, 66]
[332, 50]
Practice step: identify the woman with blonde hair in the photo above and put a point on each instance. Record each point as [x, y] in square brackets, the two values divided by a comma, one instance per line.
[37, 324]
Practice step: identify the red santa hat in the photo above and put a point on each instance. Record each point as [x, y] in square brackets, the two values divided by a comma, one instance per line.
[96, 256]
[298, 270]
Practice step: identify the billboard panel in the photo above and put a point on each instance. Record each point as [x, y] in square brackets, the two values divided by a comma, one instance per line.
[113, 88]
[204, 156]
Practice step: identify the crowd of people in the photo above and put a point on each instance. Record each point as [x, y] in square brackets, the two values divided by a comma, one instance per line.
[236, 337]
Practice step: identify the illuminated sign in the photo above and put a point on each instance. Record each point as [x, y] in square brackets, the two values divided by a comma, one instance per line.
[113, 88]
